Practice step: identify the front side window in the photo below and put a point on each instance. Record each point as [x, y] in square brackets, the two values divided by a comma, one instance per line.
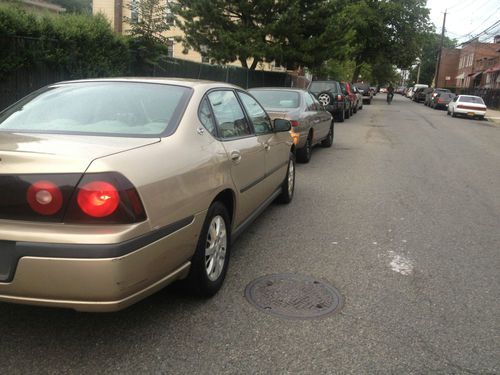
[258, 116]
[231, 121]
[99, 108]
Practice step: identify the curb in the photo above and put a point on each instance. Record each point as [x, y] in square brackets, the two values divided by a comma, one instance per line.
[495, 120]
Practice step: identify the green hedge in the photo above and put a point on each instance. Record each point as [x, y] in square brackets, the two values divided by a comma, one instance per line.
[83, 45]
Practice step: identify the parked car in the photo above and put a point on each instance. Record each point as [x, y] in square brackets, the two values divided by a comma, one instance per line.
[311, 123]
[359, 97]
[113, 188]
[347, 90]
[441, 100]
[409, 92]
[330, 95]
[431, 93]
[366, 91]
[419, 95]
[468, 105]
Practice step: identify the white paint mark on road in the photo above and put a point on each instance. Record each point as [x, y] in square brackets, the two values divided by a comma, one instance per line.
[374, 243]
[401, 265]
[404, 241]
[335, 243]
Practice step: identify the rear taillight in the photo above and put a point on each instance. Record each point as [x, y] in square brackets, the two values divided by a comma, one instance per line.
[70, 198]
[340, 98]
[44, 197]
[98, 199]
[294, 123]
[440, 100]
[105, 198]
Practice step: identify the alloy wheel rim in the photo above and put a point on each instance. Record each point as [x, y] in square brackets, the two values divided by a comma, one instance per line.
[291, 180]
[324, 99]
[215, 248]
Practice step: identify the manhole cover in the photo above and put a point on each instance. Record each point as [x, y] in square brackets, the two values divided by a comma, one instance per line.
[293, 296]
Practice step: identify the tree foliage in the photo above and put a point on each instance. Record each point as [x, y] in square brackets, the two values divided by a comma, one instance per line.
[150, 23]
[82, 45]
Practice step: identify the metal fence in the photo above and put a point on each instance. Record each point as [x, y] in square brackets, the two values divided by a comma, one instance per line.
[33, 74]
[491, 97]
[172, 67]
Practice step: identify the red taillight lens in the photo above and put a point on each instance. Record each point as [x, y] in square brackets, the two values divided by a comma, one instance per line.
[294, 123]
[340, 98]
[98, 199]
[44, 197]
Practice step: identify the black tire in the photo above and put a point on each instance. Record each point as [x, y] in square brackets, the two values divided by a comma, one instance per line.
[360, 108]
[328, 141]
[369, 102]
[480, 118]
[348, 114]
[447, 112]
[304, 153]
[325, 98]
[286, 195]
[198, 280]
[341, 116]
[453, 114]
[355, 110]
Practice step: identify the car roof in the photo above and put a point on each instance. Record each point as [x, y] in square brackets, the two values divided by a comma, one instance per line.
[187, 82]
[279, 89]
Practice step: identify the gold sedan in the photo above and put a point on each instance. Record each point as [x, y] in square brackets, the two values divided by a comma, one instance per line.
[311, 123]
[113, 188]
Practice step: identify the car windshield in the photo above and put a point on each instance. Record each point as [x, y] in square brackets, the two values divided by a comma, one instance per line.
[98, 108]
[277, 98]
[471, 99]
[319, 86]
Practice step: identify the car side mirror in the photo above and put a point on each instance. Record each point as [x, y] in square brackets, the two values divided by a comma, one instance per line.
[282, 125]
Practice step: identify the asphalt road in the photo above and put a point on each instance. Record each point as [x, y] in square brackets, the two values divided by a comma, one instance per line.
[401, 215]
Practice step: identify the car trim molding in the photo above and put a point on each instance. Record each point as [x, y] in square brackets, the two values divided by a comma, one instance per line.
[246, 223]
[260, 179]
[12, 251]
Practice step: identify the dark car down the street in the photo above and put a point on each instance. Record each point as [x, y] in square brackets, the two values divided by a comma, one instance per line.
[366, 91]
[330, 95]
[441, 100]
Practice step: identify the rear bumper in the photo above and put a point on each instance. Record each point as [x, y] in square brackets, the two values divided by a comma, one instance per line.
[102, 278]
[470, 112]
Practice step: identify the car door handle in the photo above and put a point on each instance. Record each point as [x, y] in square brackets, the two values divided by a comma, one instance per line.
[316, 121]
[235, 156]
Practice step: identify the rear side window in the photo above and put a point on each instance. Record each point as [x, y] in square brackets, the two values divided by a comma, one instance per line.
[206, 117]
[99, 108]
[311, 105]
[231, 121]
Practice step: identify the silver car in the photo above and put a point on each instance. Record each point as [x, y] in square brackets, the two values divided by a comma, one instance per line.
[311, 123]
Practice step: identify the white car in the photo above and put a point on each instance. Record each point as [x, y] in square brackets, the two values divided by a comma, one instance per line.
[467, 105]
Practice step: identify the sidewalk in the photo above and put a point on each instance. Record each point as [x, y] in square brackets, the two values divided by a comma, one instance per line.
[493, 115]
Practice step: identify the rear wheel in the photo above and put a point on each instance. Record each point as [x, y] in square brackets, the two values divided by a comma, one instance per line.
[288, 185]
[304, 153]
[210, 261]
[341, 116]
[328, 141]
[453, 114]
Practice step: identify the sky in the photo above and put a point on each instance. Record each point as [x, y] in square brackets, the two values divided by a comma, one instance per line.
[466, 18]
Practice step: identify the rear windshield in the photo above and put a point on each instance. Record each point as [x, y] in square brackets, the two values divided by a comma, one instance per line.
[318, 86]
[99, 108]
[277, 98]
[471, 99]
[362, 86]
[446, 95]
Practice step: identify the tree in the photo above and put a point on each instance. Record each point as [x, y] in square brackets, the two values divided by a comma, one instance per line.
[226, 31]
[148, 21]
[390, 30]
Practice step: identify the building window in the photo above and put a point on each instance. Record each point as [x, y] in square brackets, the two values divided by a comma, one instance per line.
[134, 11]
[169, 15]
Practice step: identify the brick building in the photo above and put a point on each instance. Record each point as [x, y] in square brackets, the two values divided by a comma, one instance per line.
[448, 68]
[471, 64]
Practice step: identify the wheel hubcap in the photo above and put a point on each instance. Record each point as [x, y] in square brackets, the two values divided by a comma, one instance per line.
[291, 179]
[215, 248]
[324, 99]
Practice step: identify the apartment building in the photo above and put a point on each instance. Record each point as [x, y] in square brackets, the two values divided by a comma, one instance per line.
[448, 68]
[471, 62]
[117, 10]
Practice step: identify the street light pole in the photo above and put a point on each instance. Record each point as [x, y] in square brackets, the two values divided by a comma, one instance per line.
[418, 71]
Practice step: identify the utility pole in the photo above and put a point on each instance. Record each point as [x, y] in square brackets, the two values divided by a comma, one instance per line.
[418, 71]
[436, 75]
